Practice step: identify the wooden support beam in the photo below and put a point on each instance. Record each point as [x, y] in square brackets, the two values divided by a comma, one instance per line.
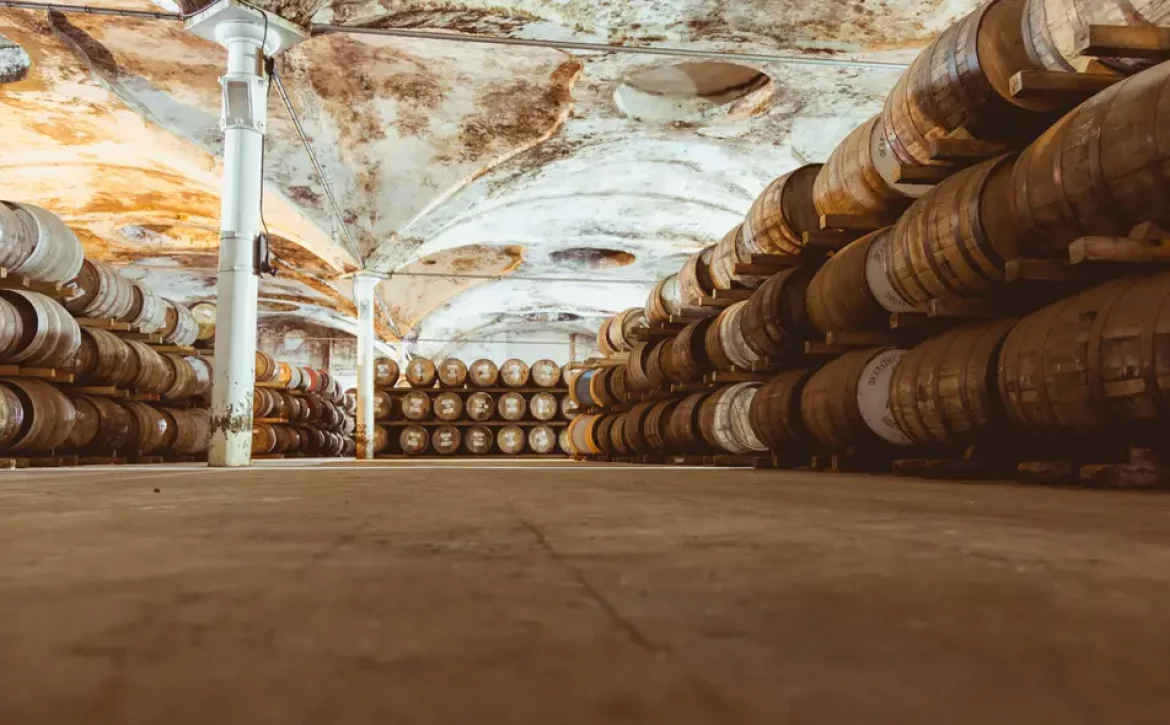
[813, 347]
[860, 339]
[1119, 249]
[1123, 41]
[722, 376]
[964, 150]
[757, 270]
[734, 295]
[856, 222]
[908, 320]
[1042, 270]
[922, 174]
[831, 240]
[1037, 82]
[961, 307]
[776, 260]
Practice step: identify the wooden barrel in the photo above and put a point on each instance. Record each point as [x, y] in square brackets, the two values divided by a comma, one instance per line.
[694, 279]
[725, 344]
[542, 440]
[151, 428]
[448, 406]
[47, 416]
[514, 373]
[266, 368]
[943, 391]
[154, 375]
[179, 326]
[263, 402]
[637, 375]
[545, 374]
[512, 406]
[11, 329]
[569, 407]
[724, 421]
[851, 291]
[780, 216]
[479, 440]
[480, 406]
[729, 252]
[664, 301]
[1099, 171]
[381, 440]
[619, 333]
[635, 427]
[775, 412]
[101, 358]
[192, 430]
[961, 80]
[776, 316]
[384, 405]
[204, 314]
[654, 427]
[416, 405]
[688, 360]
[421, 373]
[565, 442]
[956, 239]
[263, 439]
[850, 182]
[446, 440]
[11, 415]
[681, 432]
[511, 440]
[310, 380]
[203, 375]
[1092, 364]
[603, 343]
[619, 443]
[102, 425]
[147, 313]
[580, 434]
[1051, 28]
[544, 406]
[49, 336]
[452, 373]
[385, 372]
[483, 373]
[582, 388]
[846, 403]
[99, 291]
[16, 237]
[414, 440]
[56, 254]
[182, 378]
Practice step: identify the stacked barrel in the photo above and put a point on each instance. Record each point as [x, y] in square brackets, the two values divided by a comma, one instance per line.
[454, 408]
[299, 411]
[814, 326]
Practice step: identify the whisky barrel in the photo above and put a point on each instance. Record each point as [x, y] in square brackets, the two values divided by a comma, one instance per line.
[266, 368]
[11, 415]
[664, 301]
[283, 405]
[203, 375]
[514, 373]
[11, 329]
[204, 314]
[381, 441]
[263, 403]
[181, 376]
[961, 81]
[581, 432]
[846, 403]
[452, 373]
[384, 405]
[150, 429]
[1051, 27]
[480, 406]
[616, 389]
[943, 391]
[544, 406]
[446, 440]
[569, 407]
[49, 336]
[565, 442]
[728, 252]
[179, 326]
[421, 373]
[414, 440]
[448, 406]
[263, 439]
[16, 239]
[601, 437]
[545, 374]
[681, 432]
[775, 412]
[385, 372]
[478, 439]
[154, 375]
[511, 440]
[581, 391]
[619, 333]
[542, 439]
[725, 344]
[483, 373]
[48, 416]
[694, 279]
[55, 255]
[850, 182]
[603, 343]
[99, 291]
[1099, 171]
[635, 427]
[780, 216]
[512, 406]
[851, 291]
[192, 430]
[416, 405]
[657, 361]
[619, 442]
[654, 427]
[310, 380]
[101, 358]
[687, 353]
[776, 315]
[957, 237]
[147, 313]
[724, 420]
[101, 424]
[713, 349]
[1091, 364]
[637, 375]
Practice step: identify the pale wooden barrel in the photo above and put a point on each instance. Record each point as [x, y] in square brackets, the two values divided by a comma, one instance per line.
[725, 422]
[148, 313]
[545, 373]
[179, 325]
[154, 376]
[542, 439]
[49, 337]
[151, 429]
[851, 292]
[514, 373]
[11, 329]
[512, 406]
[204, 314]
[1051, 27]
[664, 301]
[782, 213]
[544, 406]
[11, 415]
[452, 373]
[56, 254]
[203, 375]
[102, 358]
[694, 279]
[384, 405]
[184, 383]
[385, 372]
[48, 416]
[421, 373]
[850, 181]
[102, 424]
[483, 373]
[99, 291]
[16, 239]
[569, 407]
[511, 440]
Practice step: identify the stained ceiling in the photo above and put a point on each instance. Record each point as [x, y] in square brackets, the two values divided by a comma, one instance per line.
[474, 175]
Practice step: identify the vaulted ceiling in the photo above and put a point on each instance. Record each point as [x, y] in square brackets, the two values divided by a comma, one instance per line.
[473, 174]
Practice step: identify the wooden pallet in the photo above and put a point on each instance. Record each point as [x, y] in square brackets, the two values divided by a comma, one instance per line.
[57, 375]
[103, 323]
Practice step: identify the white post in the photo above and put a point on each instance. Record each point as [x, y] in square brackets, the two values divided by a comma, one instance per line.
[363, 294]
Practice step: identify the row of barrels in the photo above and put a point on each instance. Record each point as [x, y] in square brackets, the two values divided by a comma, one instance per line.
[301, 378]
[39, 418]
[449, 440]
[276, 439]
[418, 405]
[98, 290]
[307, 409]
[104, 359]
[422, 372]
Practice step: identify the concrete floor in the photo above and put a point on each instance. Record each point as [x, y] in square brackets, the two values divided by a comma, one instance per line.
[560, 593]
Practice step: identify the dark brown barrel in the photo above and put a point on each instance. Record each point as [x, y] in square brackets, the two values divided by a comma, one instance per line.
[385, 372]
[843, 296]
[147, 313]
[11, 415]
[414, 440]
[384, 405]
[49, 336]
[956, 239]
[483, 373]
[480, 406]
[657, 361]
[263, 403]
[101, 425]
[713, 346]
[179, 327]
[448, 406]
[617, 436]
[637, 377]
[1101, 170]
[600, 435]
[421, 373]
[101, 358]
[850, 182]
[944, 391]
[598, 394]
[775, 412]
[1051, 28]
[11, 329]
[381, 440]
[514, 373]
[664, 301]
[182, 377]
[512, 406]
[681, 432]
[545, 374]
[688, 354]
[694, 279]
[542, 440]
[776, 316]
[452, 373]
[724, 420]
[55, 255]
[48, 416]
[192, 430]
[729, 252]
[154, 375]
[1092, 364]
[961, 80]
[479, 439]
[569, 407]
[99, 291]
[203, 375]
[846, 403]
[416, 405]
[544, 406]
[266, 368]
[635, 429]
[263, 439]
[781, 215]
[511, 440]
[446, 440]
[151, 429]
[654, 429]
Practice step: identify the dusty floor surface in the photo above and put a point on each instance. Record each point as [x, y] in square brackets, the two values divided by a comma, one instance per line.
[560, 593]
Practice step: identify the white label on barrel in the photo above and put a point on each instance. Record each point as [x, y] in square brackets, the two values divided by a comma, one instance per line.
[511, 406]
[415, 405]
[540, 438]
[873, 396]
[379, 406]
[420, 370]
[383, 370]
[447, 406]
[875, 276]
[445, 437]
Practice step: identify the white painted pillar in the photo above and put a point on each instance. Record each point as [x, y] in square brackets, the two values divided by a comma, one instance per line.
[364, 286]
